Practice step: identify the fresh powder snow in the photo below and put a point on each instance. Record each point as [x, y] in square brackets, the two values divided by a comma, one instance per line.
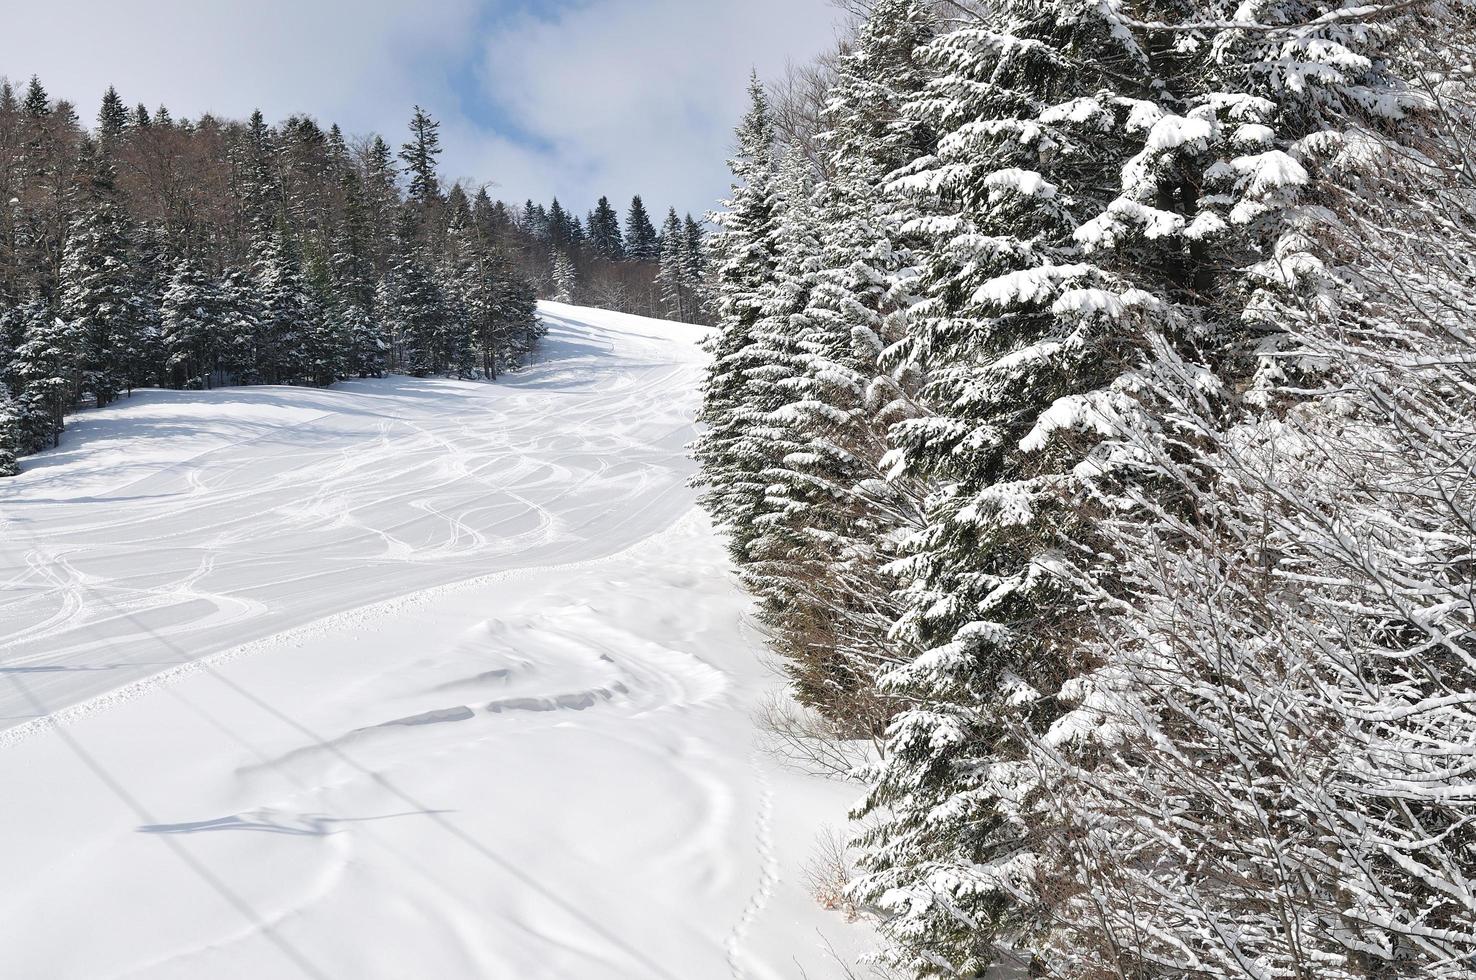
[402, 678]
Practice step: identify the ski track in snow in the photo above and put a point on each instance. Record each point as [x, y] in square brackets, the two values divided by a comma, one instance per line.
[399, 679]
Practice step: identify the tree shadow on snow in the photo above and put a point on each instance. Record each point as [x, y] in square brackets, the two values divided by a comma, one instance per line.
[266, 822]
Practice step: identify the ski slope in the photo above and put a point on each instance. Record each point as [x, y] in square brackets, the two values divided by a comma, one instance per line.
[406, 678]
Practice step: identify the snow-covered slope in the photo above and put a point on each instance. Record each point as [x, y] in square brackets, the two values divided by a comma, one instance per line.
[401, 679]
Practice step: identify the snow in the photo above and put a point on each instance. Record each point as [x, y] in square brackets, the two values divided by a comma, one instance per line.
[1026, 183]
[1270, 171]
[402, 678]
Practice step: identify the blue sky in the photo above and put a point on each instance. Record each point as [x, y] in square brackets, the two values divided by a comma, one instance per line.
[541, 97]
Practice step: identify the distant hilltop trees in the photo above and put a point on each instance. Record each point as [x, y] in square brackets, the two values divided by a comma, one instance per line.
[149, 250]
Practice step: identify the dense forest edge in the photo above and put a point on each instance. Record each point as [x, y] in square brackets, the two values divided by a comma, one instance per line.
[1093, 416]
[149, 251]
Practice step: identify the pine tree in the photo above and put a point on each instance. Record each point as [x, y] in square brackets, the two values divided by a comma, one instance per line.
[112, 121]
[560, 225]
[672, 278]
[191, 326]
[351, 263]
[746, 238]
[641, 242]
[832, 517]
[565, 278]
[44, 368]
[457, 277]
[1082, 224]
[604, 231]
[694, 269]
[36, 104]
[414, 306]
[259, 189]
[419, 156]
[284, 313]
[366, 350]
[150, 272]
[240, 317]
[325, 349]
[98, 296]
[11, 436]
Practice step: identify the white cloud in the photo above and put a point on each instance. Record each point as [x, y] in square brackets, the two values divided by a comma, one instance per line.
[355, 61]
[641, 95]
[619, 96]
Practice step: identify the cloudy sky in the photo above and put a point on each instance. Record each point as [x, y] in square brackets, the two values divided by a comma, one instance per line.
[541, 97]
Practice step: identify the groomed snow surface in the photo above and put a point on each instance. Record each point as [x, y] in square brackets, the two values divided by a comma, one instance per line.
[401, 679]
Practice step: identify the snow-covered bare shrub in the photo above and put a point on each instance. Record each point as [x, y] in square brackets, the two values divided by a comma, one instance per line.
[1272, 771]
[810, 742]
[829, 872]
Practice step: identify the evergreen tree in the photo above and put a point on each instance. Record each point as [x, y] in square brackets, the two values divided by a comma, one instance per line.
[36, 104]
[413, 304]
[259, 188]
[672, 279]
[284, 312]
[366, 347]
[746, 237]
[604, 231]
[11, 436]
[150, 273]
[44, 368]
[694, 269]
[352, 262]
[98, 295]
[112, 121]
[240, 318]
[560, 225]
[641, 242]
[382, 198]
[838, 300]
[419, 156]
[565, 278]
[191, 326]
[325, 348]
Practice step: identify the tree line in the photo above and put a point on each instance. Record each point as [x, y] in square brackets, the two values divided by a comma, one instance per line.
[1093, 415]
[146, 250]
[598, 260]
[150, 251]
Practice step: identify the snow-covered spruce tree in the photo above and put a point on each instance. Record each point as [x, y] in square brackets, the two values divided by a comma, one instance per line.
[695, 269]
[672, 278]
[11, 435]
[151, 268]
[604, 231]
[833, 517]
[45, 369]
[1270, 771]
[1080, 221]
[565, 277]
[98, 295]
[284, 311]
[240, 331]
[324, 347]
[351, 261]
[641, 241]
[478, 275]
[415, 307]
[745, 240]
[192, 326]
[455, 276]
[366, 346]
[767, 433]
[419, 155]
